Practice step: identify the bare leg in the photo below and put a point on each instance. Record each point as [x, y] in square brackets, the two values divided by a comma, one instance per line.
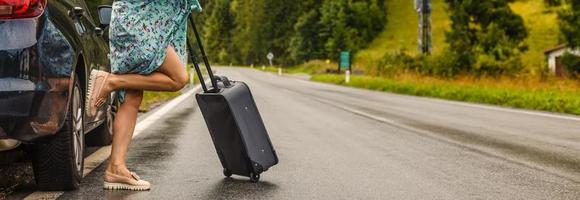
[123, 128]
[171, 76]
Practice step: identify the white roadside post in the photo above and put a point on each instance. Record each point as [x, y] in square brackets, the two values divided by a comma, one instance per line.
[345, 62]
[347, 77]
[252, 66]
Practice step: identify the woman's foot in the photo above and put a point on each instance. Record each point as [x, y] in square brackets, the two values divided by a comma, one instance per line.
[97, 92]
[119, 182]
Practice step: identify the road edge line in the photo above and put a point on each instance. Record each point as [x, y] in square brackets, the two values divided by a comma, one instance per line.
[539, 113]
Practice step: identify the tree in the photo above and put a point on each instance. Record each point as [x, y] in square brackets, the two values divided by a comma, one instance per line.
[217, 32]
[244, 31]
[333, 26]
[279, 20]
[570, 28]
[570, 23]
[248, 14]
[305, 44]
[486, 36]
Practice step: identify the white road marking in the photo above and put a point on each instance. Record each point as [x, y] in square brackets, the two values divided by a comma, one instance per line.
[472, 105]
[102, 154]
[512, 110]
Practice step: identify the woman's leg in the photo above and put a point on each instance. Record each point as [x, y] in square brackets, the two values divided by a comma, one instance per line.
[171, 76]
[123, 128]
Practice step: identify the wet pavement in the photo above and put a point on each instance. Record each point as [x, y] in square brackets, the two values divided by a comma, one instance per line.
[343, 143]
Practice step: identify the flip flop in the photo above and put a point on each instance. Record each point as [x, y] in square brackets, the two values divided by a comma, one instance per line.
[97, 81]
[116, 182]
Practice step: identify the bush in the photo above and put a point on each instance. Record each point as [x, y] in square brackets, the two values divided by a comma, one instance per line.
[572, 63]
[444, 65]
[447, 64]
[488, 66]
[393, 62]
[313, 67]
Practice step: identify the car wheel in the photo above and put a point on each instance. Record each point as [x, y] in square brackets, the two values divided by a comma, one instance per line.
[58, 163]
[103, 135]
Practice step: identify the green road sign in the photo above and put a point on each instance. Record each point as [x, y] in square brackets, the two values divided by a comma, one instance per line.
[345, 60]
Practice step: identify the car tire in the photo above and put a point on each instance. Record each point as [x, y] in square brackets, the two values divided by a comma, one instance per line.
[58, 163]
[103, 134]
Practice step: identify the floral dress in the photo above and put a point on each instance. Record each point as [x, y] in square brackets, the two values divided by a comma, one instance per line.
[141, 31]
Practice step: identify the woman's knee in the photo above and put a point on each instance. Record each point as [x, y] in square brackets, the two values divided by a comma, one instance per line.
[181, 81]
[134, 98]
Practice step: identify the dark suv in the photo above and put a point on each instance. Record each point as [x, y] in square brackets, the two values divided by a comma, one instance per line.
[47, 49]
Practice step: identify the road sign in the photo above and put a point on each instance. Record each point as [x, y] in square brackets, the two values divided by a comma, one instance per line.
[270, 56]
[345, 60]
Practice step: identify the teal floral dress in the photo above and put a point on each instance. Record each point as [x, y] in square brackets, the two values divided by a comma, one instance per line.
[141, 31]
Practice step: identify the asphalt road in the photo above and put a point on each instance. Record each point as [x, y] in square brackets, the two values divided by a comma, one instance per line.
[343, 143]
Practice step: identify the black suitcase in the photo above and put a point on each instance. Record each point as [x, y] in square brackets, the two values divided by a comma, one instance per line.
[234, 122]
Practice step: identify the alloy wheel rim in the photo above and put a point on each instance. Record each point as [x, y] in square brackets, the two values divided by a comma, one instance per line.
[77, 129]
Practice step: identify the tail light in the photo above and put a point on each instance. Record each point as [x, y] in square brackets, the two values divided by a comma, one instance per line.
[16, 9]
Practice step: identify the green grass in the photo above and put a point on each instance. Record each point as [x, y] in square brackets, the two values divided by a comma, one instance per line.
[402, 30]
[311, 67]
[154, 98]
[554, 95]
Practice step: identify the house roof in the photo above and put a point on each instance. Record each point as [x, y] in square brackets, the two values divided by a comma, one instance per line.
[556, 48]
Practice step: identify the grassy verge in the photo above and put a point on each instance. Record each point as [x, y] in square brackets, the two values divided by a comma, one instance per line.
[150, 99]
[310, 67]
[552, 95]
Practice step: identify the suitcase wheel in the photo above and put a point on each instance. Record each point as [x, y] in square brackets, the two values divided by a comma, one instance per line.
[254, 177]
[227, 173]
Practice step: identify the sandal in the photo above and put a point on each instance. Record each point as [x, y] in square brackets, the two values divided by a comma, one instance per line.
[117, 182]
[97, 81]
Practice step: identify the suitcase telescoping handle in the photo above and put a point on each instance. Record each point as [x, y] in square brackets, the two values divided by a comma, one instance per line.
[204, 58]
